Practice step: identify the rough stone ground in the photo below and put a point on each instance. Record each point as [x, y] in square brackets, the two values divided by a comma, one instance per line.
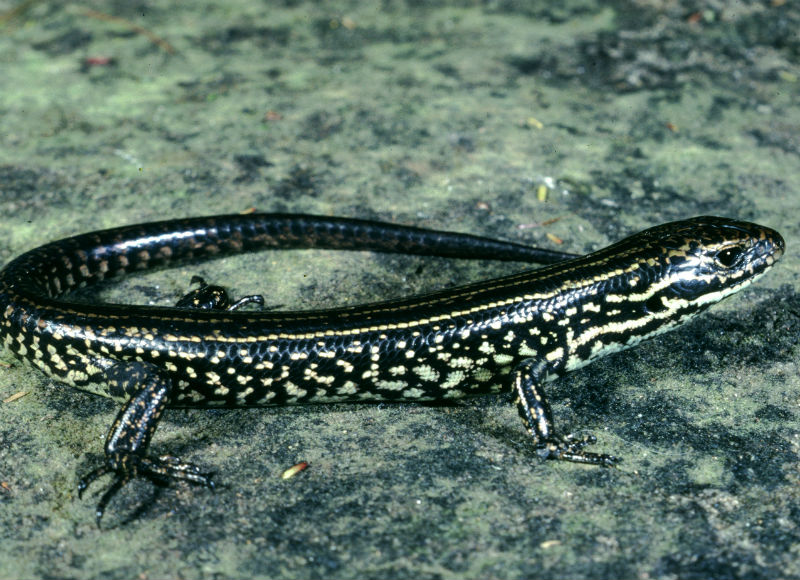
[442, 114]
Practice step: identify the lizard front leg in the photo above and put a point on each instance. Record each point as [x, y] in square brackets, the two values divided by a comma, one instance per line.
[528, 380]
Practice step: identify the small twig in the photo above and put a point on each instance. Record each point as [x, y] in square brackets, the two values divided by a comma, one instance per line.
[17, 11]
[294, 470]
[157, 40]
[15, 396]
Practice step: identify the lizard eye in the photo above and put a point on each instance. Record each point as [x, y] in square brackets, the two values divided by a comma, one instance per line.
[729, 257]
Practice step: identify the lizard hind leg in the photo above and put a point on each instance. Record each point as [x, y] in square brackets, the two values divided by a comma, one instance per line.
[213, 297]
[128, 440]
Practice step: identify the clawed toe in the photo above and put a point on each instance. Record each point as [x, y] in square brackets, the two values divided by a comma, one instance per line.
[571, 448]
[126, 467]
